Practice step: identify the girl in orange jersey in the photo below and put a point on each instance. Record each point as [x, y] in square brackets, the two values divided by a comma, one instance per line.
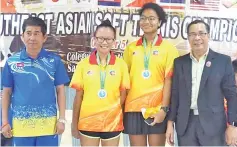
[150, 63]
[101, 81]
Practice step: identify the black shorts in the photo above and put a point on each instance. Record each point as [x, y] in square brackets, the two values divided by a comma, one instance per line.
[101, 135]
[134, 124]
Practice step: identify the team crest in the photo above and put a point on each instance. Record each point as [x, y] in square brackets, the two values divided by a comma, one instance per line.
[20, 65]
[134, 53]
[112, 72]
[89, 72]
[155, 52]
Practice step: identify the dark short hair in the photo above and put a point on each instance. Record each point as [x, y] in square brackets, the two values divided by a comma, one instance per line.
[234, 64]
[106, 23]
[157, 8]
[197, 22]
[35, 21]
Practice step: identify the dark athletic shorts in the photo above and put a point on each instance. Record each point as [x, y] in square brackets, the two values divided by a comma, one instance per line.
[102, 135]
[134, 124]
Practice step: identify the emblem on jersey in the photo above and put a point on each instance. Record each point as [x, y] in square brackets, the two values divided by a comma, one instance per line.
[52, 73]
[134, 53]
[21, 64]
[89, 72]
[112, 72]
[155, 52]
[51, 60]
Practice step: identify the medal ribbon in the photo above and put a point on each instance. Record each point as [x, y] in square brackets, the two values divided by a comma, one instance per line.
[147, 55]
[102, 72]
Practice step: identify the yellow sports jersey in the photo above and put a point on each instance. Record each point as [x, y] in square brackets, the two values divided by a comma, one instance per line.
[148, 92]
[101, 114]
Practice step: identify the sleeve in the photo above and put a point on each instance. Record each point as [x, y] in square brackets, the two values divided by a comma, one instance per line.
[171, 55]
[61, 76]
[126, 57]
[174, 101]
[125, 80]
[77, 78]
[7, 76]
[229, 90]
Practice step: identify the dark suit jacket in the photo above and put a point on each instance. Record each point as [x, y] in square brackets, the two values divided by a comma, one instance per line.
[217, 82]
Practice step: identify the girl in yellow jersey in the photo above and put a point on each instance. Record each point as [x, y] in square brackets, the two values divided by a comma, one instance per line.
[150, 63]
[100, 81]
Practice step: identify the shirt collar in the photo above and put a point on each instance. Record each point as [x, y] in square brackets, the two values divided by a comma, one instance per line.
[93, 61]
[203, 56]
[24, 55]
[158, 42]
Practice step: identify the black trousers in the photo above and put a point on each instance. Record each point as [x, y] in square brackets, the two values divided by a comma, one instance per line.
[195, 136]
[6, 141]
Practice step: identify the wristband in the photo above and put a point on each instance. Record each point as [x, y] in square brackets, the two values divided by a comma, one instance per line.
[4, 125]
[61, 120]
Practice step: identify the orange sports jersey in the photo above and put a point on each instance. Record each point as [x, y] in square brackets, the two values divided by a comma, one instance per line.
[146, 93]
[101, 114]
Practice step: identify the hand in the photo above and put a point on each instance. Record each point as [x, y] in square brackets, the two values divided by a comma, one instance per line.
[60, 127]
[170, 133]
[158, 117]
[75, 131]
[6, 131]
[231, 135]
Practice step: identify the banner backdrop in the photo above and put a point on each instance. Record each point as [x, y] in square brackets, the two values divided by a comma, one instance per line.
[71, 23]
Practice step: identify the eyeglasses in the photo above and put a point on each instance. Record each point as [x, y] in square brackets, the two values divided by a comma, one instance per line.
[150, 19]
[200, 34]
[102, 39]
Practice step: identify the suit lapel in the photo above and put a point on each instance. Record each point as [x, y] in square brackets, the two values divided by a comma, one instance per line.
[207, 69]
[187, 70]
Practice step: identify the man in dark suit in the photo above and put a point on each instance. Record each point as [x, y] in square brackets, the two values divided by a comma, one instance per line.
[234, 64]
[201, 80]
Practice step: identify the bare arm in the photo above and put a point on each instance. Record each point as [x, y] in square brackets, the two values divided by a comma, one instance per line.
[61, 100]
[77, 106]
[123, 95]
[173, 107]
[5, 104]
[167, 92]
[160, 116]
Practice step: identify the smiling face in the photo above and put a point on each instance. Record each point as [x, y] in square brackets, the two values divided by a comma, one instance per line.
[149, 21]
[33, 38]
[104, 39]
[198, 38]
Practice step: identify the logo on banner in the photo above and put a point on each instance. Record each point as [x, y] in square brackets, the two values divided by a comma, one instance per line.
[109, 2]
[79, 1]
[55, 2]
[85, 3]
